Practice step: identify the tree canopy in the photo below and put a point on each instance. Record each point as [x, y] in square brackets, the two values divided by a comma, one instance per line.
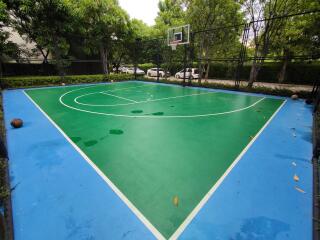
[68, 29]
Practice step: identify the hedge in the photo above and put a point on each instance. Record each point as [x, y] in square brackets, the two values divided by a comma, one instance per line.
[23, 82]
[297, 72]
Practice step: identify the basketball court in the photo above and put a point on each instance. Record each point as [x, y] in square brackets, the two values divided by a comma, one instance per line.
[137, 160]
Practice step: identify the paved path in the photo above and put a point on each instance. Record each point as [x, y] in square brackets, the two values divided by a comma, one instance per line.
[292, 87]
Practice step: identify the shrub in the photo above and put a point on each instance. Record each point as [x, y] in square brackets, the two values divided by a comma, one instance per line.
[146, 66]
[23, 82]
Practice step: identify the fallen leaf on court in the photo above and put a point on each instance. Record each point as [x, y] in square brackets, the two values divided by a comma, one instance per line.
[300, 190]
[296, 178]
[176, 201]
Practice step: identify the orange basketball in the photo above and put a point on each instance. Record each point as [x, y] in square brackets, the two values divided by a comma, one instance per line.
[16, 123]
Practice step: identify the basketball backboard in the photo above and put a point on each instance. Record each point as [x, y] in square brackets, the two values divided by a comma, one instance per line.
[178, 36]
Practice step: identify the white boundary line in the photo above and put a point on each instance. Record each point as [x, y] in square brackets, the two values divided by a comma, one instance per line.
[204, 200]
[140, 216]
[195, 211]
[164, 116]
[154, 116]
[126, 104]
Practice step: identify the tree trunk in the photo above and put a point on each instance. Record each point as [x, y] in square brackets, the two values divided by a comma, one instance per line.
[1, 71]
[254, 73]
[200, 71]
[207, 71]
[59, 61]
[200, 60]
[45, 55]
[104, 59]
[286, 59]
[255, 68]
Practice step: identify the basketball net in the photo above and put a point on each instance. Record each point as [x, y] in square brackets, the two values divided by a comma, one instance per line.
[174, 44]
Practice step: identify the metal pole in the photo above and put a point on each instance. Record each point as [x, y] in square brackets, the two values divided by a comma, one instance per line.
[158, 61]
[184, 65]
[242, 55]
[191, 56]
[136, 56]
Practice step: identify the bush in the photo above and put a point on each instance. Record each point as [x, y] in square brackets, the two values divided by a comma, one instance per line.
[23, 82]
[146, 66]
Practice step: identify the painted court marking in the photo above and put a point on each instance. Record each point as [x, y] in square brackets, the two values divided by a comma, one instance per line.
[116, 96]
[148, 116]
[135, 102]
[204, 200]
[140, 216]
[144, 220]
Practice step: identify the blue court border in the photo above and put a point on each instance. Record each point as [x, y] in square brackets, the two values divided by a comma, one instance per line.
[59, 196]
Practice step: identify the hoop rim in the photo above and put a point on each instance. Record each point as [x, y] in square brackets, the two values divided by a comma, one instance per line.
[174, 44]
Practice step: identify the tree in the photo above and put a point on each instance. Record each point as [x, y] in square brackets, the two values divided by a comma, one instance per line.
[300, 36]
[215, 14]
[124, 49]
[102, 23]
[266, 24]
[171, 14]
[7, 48]
[45, 22]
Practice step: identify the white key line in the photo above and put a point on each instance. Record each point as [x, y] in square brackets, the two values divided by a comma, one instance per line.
[112, 95]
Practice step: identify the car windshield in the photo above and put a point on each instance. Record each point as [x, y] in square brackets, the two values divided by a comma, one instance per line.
[196, 71]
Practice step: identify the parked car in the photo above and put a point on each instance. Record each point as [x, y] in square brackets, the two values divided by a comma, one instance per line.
[130, 70]
[192, 72]
[152, 72]
[122, 69]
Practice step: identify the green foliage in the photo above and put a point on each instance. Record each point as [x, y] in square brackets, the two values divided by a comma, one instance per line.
[171, 13]
[102, 24]
[3, 13]
[45, 22]
[146, 66]
[297, 73]
[141, 30]
[300, 35]
[23, 82]
[7, 48]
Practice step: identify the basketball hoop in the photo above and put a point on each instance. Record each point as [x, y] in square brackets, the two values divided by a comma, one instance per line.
[178, 36]
[174, 44]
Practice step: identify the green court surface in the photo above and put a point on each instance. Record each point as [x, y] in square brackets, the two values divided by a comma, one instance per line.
[161, 148]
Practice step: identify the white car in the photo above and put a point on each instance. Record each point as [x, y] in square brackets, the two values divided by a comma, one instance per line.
[152, 72]
[121, 69]
[192, 72]
[130, 70]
